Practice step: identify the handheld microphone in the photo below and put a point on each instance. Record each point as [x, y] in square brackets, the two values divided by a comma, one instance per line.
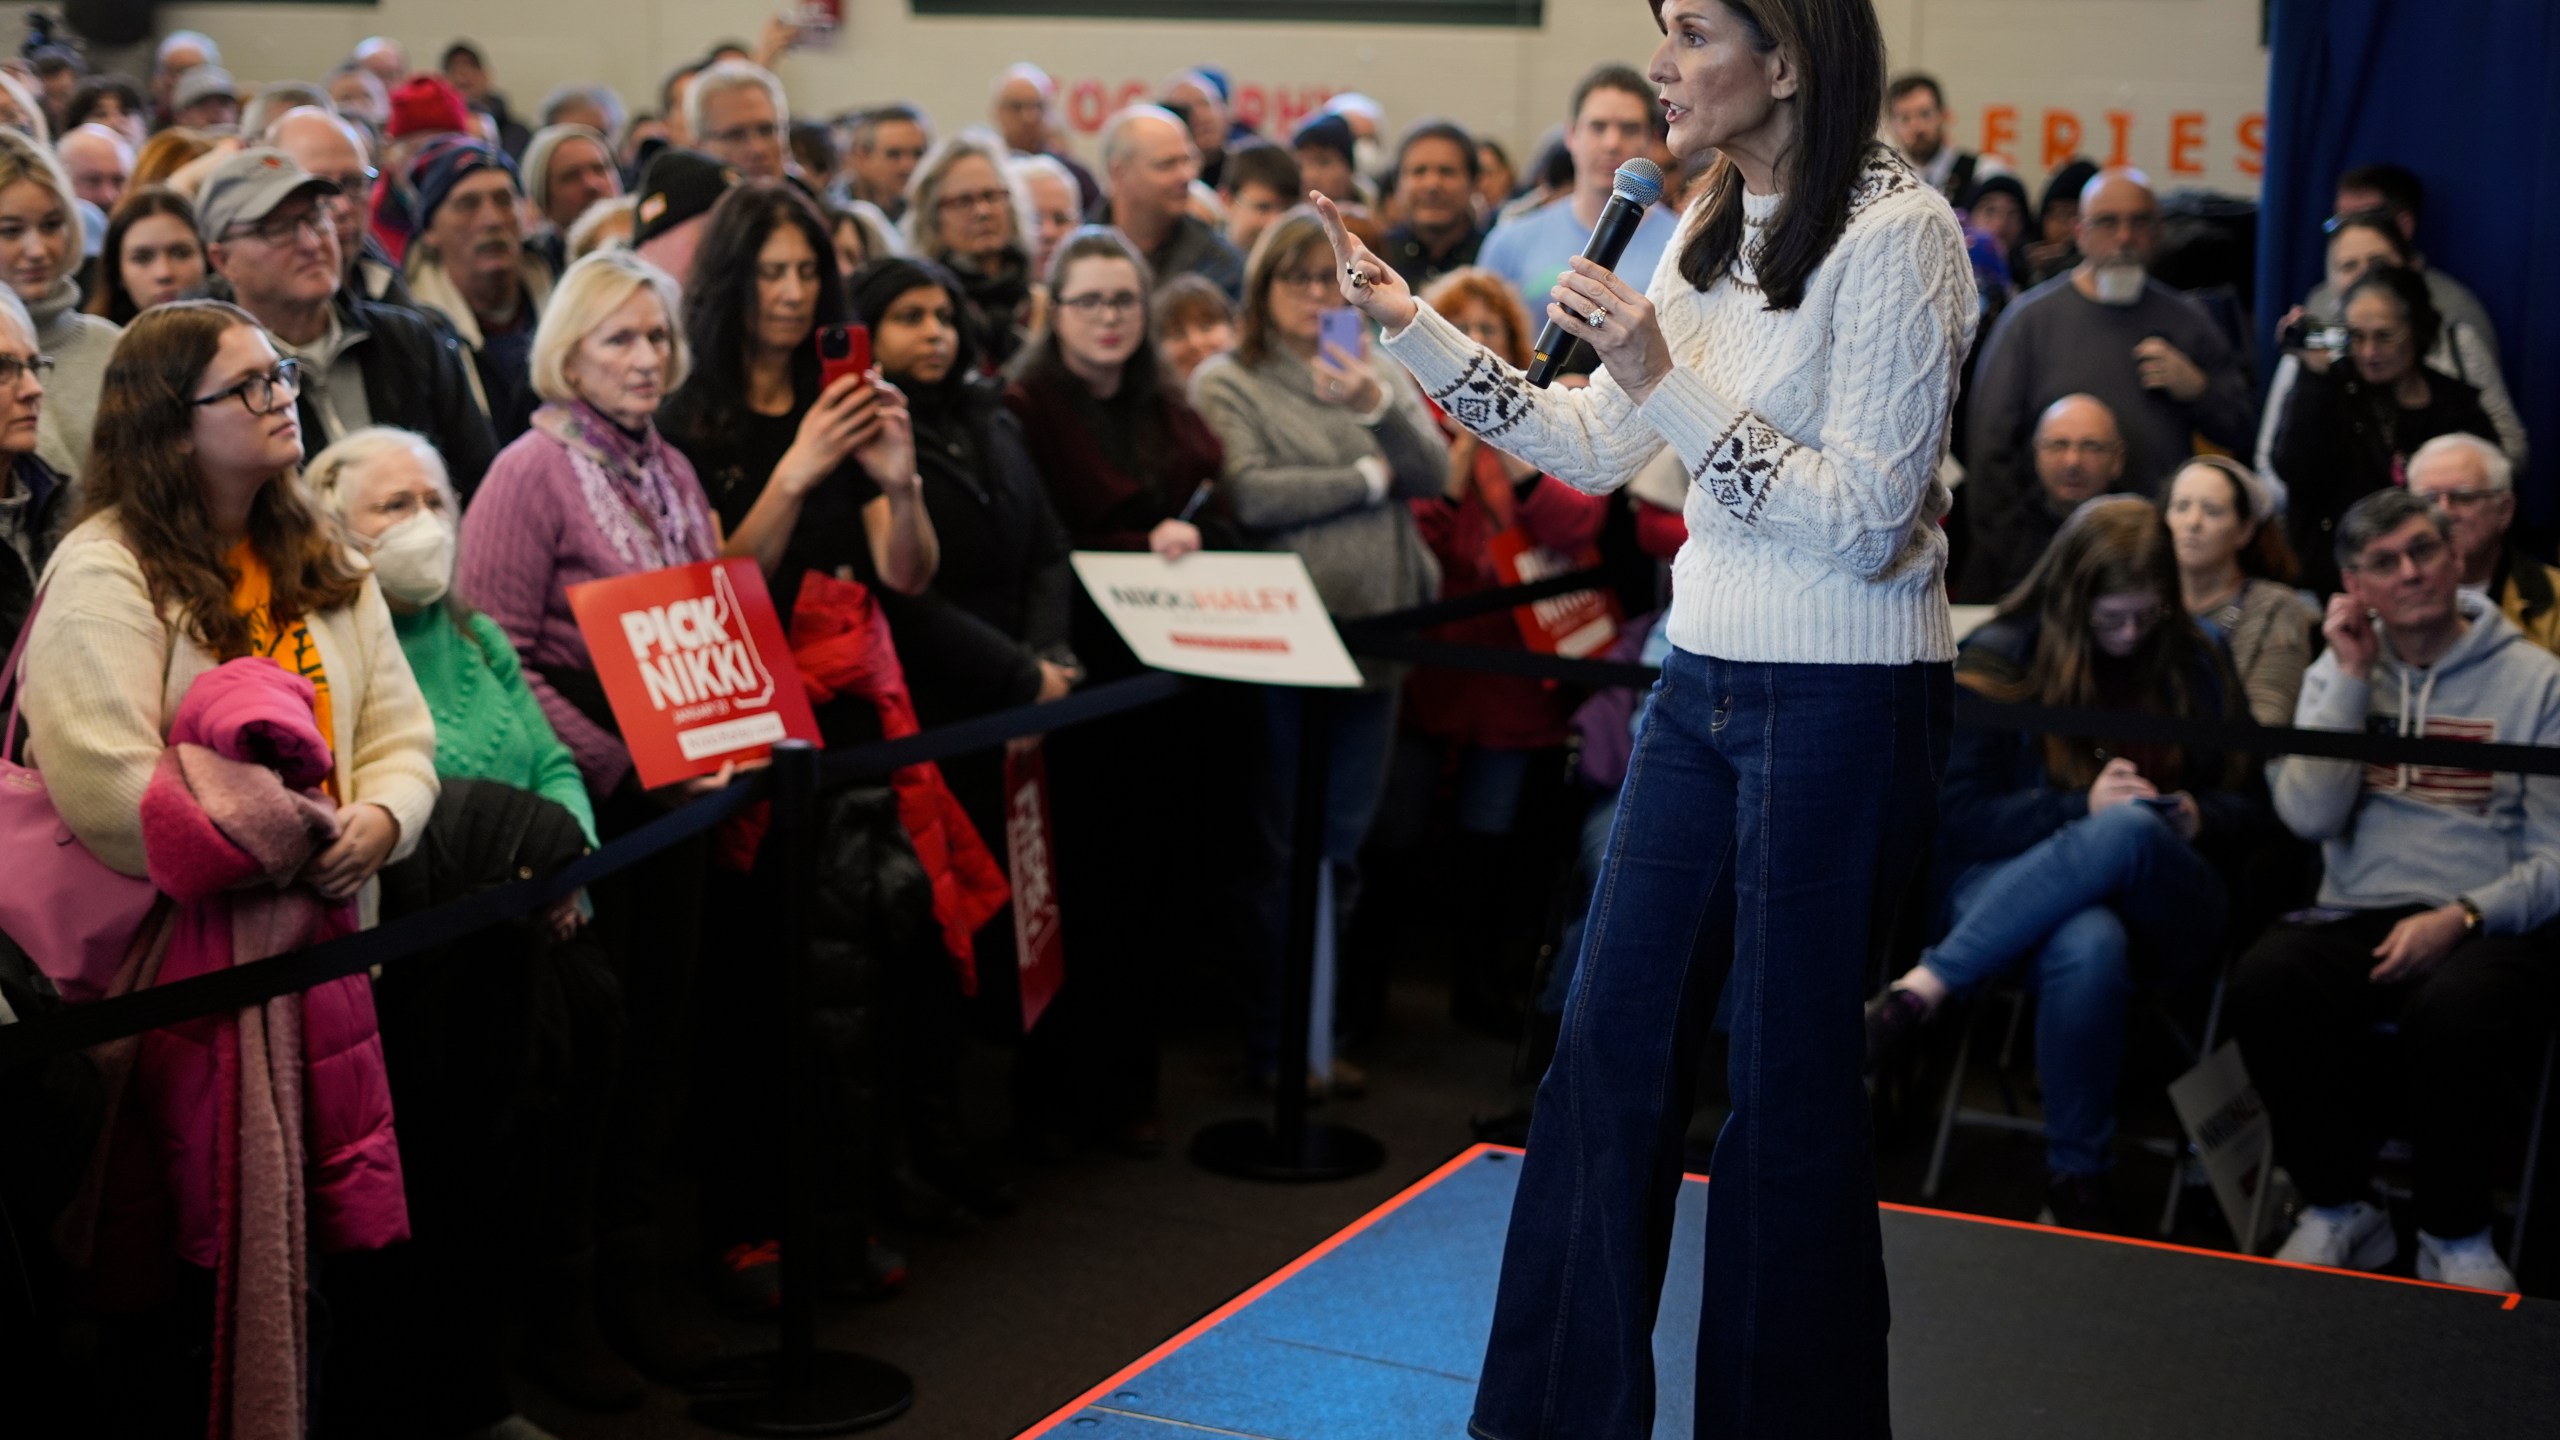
[1632, 191]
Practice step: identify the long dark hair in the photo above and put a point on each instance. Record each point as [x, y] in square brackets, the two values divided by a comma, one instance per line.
[141, 465]
[1838, 51]
[113, 300]
[2113, 545]
[720, 301]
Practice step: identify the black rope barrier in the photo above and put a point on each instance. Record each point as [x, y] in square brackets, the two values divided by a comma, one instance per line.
[79, 1026]
[1383, 637]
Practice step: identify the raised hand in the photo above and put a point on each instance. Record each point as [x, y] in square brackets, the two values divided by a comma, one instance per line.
[1378, 291]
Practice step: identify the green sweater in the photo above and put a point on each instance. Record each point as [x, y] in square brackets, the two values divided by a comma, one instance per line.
[488, 725]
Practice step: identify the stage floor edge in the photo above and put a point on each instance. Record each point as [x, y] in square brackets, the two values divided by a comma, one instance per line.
[1379, 1329]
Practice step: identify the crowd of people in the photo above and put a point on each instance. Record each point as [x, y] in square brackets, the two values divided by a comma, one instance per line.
[357, 375]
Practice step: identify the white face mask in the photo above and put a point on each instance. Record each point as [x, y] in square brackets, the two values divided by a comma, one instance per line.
[413, 560]
[1368, 156]
[2119, 283]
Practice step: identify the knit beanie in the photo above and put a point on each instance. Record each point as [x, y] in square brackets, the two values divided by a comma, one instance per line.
[1331, 132]
[2000, 184]
[425, 103]
[2066, 184]
[545, 145]
[434, 174]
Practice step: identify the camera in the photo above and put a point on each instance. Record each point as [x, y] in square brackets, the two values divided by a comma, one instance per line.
[2303, 335]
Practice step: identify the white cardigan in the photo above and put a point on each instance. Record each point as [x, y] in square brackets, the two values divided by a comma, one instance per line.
[1812, 437]
[106, 670]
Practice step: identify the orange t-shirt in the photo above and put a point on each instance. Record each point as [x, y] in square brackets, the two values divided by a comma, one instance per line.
[289, 645]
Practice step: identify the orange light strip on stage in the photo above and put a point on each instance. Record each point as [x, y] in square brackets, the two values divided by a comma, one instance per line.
[1270, 1283]
[2511, 1297]
[1469, 1155]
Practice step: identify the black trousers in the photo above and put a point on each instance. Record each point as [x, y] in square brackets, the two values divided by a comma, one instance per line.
[2471, 1033]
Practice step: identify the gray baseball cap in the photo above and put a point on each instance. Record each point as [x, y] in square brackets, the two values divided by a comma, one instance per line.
[203, 82]
[242, 189]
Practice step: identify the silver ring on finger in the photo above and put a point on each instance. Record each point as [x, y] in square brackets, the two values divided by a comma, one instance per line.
[1358, 277]
[1598, 317]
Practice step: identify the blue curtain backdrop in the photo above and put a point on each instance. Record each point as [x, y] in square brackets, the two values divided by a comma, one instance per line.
[2467, 94]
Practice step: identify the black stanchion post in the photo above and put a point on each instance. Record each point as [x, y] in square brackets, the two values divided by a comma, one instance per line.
[800, 1389]
[1291, 1148]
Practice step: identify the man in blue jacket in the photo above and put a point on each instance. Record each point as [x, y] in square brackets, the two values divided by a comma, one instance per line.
[2436, 909]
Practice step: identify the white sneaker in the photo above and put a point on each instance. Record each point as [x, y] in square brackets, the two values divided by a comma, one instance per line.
[2342, 1237]
[2469, 1262]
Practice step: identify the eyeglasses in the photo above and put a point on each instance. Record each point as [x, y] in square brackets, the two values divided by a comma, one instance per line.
[287, 229]
[1094, 302]
[2442, 499]
[2422, 552]
[741, 134]
[355, 187]
[258, 393]
[2131, 224]
[1303, 279]
[14, 367]
[2113, 622]
[973, 199]
[2086, 449]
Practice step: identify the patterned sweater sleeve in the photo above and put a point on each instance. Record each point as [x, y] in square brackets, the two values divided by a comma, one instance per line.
[1901, 325]
[1588, 438]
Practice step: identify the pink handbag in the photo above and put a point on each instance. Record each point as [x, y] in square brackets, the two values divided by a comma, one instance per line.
[72, 914]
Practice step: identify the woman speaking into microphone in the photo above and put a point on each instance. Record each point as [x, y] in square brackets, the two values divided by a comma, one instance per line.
[1800, 358]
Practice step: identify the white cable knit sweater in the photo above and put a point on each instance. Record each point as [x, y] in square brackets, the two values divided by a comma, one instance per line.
[1812, 437]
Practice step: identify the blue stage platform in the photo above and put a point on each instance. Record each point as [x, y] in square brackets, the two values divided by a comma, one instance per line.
[2001, 1329]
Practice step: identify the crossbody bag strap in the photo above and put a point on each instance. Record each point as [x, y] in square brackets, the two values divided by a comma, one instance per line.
[15, 680]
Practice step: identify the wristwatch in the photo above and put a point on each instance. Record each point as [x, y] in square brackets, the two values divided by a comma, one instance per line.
[2472, 919]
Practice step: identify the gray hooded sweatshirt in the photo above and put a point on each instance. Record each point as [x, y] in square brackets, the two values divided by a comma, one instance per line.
[2425, 834]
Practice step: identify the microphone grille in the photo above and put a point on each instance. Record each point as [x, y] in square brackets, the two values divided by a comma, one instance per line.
[1640, 180]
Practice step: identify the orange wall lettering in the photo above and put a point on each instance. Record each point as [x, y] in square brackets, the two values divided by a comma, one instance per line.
[1999, 128]
[2186, 137]
[2119, 126]
[2061, 137]
[2252, 159]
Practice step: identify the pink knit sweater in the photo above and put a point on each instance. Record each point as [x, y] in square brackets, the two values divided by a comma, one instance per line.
[573, 500]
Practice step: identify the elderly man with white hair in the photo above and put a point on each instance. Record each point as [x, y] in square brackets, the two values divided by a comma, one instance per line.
[1150, 160]
[738, 116]
[99, 162]
[1025, 109]
[2474, 483]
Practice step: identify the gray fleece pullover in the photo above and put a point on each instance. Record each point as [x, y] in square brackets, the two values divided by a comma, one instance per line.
[2422, 834]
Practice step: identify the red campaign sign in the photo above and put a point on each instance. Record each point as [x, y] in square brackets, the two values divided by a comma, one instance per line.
[1576, 625]
[694, 662]
[1031, 856]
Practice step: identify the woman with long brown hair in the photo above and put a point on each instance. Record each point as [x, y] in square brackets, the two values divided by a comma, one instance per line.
[227, 1168]
[196, 547]
[1800, 360]
[2084, 860]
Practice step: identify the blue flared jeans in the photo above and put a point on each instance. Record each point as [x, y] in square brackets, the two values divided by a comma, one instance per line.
[1772, 817]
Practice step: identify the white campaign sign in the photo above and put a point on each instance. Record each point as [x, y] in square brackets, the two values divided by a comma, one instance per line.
[1225, 614]
[2234, 1138]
